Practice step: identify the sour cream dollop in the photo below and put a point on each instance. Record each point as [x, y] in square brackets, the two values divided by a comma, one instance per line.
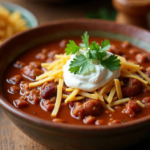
[92, 81]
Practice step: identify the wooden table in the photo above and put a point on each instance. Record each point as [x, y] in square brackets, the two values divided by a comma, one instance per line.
[9, 134]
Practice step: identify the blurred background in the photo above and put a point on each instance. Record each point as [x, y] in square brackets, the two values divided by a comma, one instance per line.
[49, 10]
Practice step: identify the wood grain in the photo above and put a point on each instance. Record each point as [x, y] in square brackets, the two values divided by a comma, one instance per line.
[11, 138]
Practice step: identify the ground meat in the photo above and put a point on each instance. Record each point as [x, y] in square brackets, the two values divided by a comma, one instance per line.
[14, 89]
[116, 50]
[45, 51]
[20, 103]
[19, 64]
[40, 56]
[50, 59]
[35, 64]
[133, 51]
[89, 120]
[64, 91]
[147, 71]
[15, 79]
[141, 58]
[78, 110]
[33, 96]
[142, 69]
[125, 44]
[23, 97]
[131, 88]
[90, 107]
[132, 108]
[31, 72]
[146, 101]
[47, 105]
[53, 53]
[58, 120]
[63, 43]
[24, 86]
[48, 90]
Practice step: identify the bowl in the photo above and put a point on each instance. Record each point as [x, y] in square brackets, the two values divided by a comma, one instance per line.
[59, 136]
[26, 14]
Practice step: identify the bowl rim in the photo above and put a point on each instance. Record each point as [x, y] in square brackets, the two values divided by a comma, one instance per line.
[29, 16]
[66, 126]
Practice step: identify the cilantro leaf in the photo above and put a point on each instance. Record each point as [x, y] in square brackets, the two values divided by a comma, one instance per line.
[85, 39]
[71, 48]
[81, 65]
[105, 45]
[85, 64]
[111, 63]
[101, 55]
[94, 46]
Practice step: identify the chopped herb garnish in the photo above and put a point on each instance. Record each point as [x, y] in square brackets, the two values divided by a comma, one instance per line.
[34, 113]
[72, 48]
[124, 120]
[84, 64]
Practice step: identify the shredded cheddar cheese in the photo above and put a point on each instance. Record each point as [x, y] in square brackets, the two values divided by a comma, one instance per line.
[118, 88]
[58, 99]
[140, 104]
[72, 95]
[111, 95]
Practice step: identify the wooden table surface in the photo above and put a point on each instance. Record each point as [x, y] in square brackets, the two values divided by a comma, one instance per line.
[11, 138]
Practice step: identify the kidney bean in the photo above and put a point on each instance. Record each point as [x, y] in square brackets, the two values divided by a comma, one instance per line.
[58, 120]
[99, 122]
[48, 90]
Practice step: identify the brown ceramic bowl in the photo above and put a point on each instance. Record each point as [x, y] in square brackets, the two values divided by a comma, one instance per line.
[61, 136]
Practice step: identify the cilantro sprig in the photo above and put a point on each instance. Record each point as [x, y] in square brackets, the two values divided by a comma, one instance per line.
[84, 64]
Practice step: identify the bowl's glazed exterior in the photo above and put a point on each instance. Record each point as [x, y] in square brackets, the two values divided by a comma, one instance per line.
[60, 136]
